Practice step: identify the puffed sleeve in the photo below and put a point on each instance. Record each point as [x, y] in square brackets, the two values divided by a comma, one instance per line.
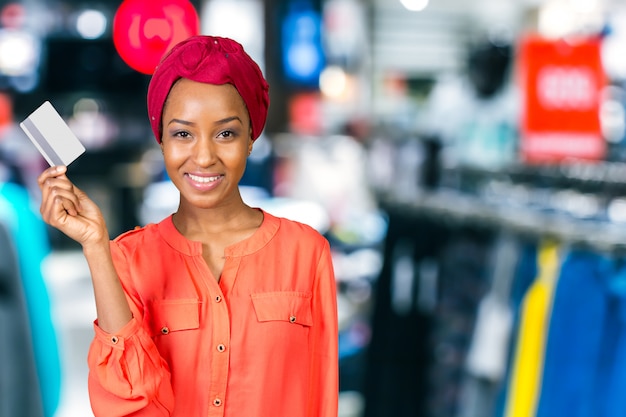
[324, 362]
[127, 375]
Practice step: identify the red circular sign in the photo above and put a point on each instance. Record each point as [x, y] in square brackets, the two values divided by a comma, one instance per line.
[144, 30]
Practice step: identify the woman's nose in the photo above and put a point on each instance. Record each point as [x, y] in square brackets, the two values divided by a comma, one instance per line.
[204, 152]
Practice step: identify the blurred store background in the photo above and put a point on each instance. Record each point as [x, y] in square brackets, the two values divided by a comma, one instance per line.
[466, 160]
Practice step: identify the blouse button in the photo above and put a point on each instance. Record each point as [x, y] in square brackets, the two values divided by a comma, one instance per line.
[165, 330]
[217, 402]
[114, 339]
[218, 298]
[292, 319]
[221, 348]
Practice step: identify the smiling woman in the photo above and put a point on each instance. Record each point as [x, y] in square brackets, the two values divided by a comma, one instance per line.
[206, 140]
[220, 309]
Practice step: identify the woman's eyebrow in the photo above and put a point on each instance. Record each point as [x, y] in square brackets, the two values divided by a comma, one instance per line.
[228, 119]
[182, 122]
[218, 122]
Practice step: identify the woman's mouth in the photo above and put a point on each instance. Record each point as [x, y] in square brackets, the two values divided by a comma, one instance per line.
[204, 183]
[204, 180]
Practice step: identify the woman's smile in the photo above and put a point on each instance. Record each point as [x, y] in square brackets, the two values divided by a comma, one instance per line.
[204, 182]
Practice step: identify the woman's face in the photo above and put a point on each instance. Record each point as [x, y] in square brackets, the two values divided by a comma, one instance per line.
[206, 140]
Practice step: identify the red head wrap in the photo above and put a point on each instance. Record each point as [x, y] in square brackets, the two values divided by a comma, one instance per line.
[210, 60]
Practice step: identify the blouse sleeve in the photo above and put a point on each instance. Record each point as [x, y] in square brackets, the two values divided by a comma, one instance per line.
[127, 375]
[323, 398]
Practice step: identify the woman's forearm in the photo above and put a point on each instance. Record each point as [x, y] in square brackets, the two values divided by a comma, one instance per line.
[112, 307]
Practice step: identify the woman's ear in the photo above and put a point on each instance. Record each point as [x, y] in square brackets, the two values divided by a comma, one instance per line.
[161, 145]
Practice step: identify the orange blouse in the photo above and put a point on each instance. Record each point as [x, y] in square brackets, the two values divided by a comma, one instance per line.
[260, 343]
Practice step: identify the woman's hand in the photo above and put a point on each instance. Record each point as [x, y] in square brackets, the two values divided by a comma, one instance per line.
[69, 209]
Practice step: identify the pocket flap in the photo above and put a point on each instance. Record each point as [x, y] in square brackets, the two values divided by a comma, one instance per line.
[292, 307]
[175, 315]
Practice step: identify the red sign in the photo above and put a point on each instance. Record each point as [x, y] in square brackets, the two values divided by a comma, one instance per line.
[305, 114]
[143, 30]
[561, 84]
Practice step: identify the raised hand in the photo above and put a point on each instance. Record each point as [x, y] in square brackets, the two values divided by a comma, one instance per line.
[68, 209]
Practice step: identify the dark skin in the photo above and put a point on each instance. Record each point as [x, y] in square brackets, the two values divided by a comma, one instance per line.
[206, 141]
[205, 157]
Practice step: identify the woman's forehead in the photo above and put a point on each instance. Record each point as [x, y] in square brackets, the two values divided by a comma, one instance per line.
[205, 100]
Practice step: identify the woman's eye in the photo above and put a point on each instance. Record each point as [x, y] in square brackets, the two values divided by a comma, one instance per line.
[226, 134]
[181, 134]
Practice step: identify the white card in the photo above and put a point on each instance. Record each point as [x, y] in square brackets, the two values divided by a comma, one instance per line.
[52, 136]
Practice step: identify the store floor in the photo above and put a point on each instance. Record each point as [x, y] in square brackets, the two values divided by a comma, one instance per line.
[74, 310]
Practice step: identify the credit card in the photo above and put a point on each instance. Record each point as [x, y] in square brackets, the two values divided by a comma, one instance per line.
[52, 136]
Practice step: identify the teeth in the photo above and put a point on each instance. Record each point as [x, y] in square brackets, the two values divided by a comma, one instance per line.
[203, 179]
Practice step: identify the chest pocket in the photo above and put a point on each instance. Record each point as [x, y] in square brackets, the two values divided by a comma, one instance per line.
[174, 315]
[289, 306]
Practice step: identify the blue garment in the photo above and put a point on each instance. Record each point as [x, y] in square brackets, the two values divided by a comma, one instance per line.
[31, 242]
[610, 381]
[573, 347]
[615, 399]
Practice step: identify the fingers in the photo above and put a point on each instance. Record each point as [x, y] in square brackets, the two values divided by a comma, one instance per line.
[58, 196]
[51, 172]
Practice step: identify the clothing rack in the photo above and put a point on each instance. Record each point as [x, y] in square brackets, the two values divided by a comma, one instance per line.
[472, 227]
[566, 202]
[454, 206]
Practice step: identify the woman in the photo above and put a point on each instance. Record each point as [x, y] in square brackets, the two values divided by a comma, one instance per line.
[220, 309]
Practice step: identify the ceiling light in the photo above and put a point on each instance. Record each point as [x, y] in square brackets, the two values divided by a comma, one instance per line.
[414, 5]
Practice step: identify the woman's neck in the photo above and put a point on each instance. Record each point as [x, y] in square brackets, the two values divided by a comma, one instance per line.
[196, 223]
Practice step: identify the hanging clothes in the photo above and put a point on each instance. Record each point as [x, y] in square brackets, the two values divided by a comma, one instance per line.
[28, 233]
[525, 379]
[564, 308]
[399, 353]
[19, 385]
[525, 274]
[464, 281]
[609, 383]
[574, 338]
[486, 362]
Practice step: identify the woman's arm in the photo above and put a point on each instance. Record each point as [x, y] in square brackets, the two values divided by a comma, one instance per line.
[70, 210]
[127, 375]
[324, 362]
[112, 308]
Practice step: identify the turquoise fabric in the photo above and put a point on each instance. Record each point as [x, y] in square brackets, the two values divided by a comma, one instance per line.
[31, 241]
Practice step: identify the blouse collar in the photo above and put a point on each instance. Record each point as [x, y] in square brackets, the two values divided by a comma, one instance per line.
[265, 233]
